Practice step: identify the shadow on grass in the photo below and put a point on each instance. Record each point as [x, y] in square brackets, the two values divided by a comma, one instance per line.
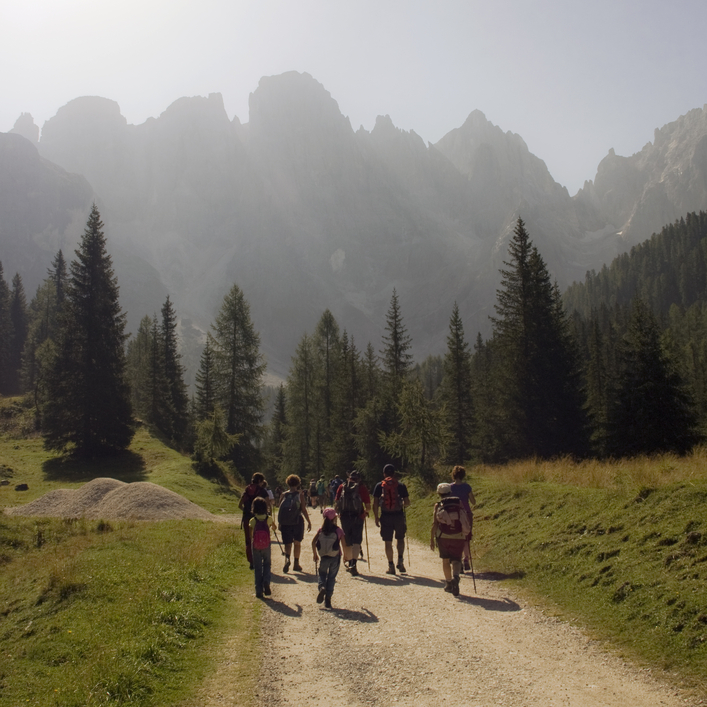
[365, 616]
[491, 604]
[283, 608]
[497, 576]
[126, 466]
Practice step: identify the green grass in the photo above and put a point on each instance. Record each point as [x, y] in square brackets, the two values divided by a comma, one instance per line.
[630, 564]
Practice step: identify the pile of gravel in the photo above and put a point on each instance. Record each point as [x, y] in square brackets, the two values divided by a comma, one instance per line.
[110, 499]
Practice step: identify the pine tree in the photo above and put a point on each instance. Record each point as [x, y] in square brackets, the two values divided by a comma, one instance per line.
[397, 359]
[206, 381]
[276, 437]
[88, 407]
[650, 411]
[239, 372]
[456, 392]
[174, 373]
[159, 412]
[138, 368]
[58, 275]
[6, 336]
[18, 315]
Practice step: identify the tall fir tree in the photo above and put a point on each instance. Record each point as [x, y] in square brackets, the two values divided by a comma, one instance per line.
[239, 377]
[6, 336]
[396, 355]
[276, 437]
[20, 324]
[88, 408]
[650, 410]
[159, 412]
[206, 382]
[174, 373]
[138, 368]
[455, 392]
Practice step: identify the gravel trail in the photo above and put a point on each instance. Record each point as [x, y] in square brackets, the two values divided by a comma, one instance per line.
[403, 641]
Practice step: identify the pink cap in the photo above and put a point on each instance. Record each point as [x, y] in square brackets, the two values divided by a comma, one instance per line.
[330, 513]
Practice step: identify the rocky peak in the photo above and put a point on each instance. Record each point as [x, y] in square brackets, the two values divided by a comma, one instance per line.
[25, 126]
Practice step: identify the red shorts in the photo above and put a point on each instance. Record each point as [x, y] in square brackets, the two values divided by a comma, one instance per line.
[451, 548]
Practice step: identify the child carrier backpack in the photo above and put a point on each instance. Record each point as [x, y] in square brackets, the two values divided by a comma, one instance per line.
[391, 497]
[451, 518]
[350, 502]
[261, 535]
[289, 512]
[328, 544]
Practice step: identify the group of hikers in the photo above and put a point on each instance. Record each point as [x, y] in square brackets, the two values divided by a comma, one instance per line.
[350, 503]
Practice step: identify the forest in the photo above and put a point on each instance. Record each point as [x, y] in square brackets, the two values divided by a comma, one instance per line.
[616, 366]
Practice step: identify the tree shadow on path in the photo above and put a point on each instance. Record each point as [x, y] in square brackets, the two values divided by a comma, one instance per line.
[284, 609]
[491, 604]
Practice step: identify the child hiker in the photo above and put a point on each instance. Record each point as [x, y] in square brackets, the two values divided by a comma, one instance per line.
[450, 528]
[328, 540]
[260, 525]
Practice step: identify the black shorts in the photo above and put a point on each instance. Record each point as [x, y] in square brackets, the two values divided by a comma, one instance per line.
[393, 523]
[293, 533]
[352, 525]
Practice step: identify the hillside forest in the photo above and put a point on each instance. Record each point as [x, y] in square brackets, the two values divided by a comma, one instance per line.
[616, 366]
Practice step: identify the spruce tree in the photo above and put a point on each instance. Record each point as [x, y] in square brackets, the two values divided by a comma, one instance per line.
[455, 392]
[138, 368]
[239, 374]
[650, 411]
[174, 373]
[88, 407]
[6, 336]
[396, 356]
[18, 315]
[206, 381]
[159, 412]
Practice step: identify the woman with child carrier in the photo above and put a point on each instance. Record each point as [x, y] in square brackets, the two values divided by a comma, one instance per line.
[353, 503]
[328, 541]
[290, 517]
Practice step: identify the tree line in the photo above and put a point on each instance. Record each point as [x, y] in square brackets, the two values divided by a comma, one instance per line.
[601, 380]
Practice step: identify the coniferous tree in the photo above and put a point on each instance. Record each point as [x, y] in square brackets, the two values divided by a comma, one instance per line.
[396, 356]
[650, 411]
[18, 315]
[159, 412]
[174, 373]
[239, 373]
[206, 381]
[455, 392]
[276, 437]
[6, 336]
[138, 368]
[59, 276]
[88, 407]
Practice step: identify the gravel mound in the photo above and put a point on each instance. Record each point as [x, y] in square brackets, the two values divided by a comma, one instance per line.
[110, 499]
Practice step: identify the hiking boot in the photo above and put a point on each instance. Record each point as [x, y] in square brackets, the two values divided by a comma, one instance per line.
[297, 567]
[467, 566]
[266, 590]
[327, 602]
[353, 570]
[258, 595]
[400, 565]
[286, 568]
[455, 586]
[320, 596]
[448, 586]
[391, 568]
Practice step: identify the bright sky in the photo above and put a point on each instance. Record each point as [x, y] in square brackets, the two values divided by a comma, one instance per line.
[572, 78]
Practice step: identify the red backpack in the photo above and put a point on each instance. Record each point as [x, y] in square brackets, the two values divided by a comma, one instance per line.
[390, 496]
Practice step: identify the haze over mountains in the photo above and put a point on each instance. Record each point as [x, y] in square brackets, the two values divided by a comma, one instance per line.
[305, 213]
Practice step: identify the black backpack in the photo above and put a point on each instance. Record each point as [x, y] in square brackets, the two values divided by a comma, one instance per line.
[290, 510]
[350, 502]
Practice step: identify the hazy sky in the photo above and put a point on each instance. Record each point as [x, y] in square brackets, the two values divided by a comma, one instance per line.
[572, 78]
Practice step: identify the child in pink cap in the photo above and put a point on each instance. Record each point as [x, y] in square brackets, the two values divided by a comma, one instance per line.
[328, 541]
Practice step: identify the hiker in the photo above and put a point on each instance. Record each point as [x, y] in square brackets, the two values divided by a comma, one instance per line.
[390, 498]
[278, 493]
[260, 525]
[353, 502]
[450, 528]
[290, 517]
[252, 491]
[328, 540]
[313, 495]
[334, 487]
[463, 492]
[321, 493]
[271, 497]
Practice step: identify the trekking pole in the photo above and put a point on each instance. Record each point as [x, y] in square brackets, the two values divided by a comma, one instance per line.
[368, 553]
[278, 542]
[471, 564]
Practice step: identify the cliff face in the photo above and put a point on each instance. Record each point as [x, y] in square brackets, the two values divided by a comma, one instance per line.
[306, 214]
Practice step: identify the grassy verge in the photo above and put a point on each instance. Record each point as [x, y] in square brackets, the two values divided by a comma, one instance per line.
[93, 613]
[628, 561]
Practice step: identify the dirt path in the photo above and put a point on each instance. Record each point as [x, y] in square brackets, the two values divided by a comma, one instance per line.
[403, 641]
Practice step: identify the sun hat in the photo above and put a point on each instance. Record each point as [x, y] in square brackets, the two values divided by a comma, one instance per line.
[444, 489]
[330, 513]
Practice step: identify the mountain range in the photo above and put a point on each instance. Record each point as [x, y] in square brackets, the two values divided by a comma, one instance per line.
[305, 213]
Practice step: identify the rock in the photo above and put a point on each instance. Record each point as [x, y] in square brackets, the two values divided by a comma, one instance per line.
[21, 487]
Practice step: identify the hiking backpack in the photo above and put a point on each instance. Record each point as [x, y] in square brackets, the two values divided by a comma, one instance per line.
[313, 489]
[321, 487]
[350, 502]
[390, 497]
[261, 535]
[334, 486]
[328, 544]
[451, 518]
[289, 511]
[250, 494]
